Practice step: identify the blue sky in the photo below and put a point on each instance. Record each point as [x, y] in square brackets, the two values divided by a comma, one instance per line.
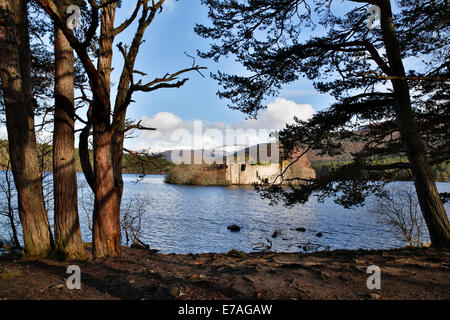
[171, 110]
[170, 35]
[167, 39]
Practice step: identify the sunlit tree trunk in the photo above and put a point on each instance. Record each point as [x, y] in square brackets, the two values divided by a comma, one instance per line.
[106, 222]
[105, 177]
[15, 73]
[67, 225]
[430, 202]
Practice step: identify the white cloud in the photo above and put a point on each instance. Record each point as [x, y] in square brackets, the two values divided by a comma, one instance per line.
[279, 113]
[163, 120]
[174, 133]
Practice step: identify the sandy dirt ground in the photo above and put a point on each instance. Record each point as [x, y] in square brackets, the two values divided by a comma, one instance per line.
[140, 275]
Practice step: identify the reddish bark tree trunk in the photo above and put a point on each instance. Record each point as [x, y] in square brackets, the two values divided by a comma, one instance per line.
[15, 72]
[67, 227]
[430, 202]
[106, 179]
[106, 225]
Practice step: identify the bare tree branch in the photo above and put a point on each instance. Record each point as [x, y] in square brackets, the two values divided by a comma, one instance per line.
[130, 20]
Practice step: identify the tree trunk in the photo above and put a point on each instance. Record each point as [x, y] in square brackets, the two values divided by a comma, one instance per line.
[67, 226]
[430, 202]
[83, 149]
[120, 112]
[106, 225]
[118, 139]
[104, 64]
[15, 72]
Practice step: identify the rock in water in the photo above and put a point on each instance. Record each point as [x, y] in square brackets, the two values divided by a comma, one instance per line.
[301, 229]
[320, 234]
[234, 228]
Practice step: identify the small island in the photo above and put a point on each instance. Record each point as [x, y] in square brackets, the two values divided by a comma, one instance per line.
[247, 171]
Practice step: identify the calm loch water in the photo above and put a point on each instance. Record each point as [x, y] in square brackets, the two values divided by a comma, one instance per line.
[184, 219]
[194, 219]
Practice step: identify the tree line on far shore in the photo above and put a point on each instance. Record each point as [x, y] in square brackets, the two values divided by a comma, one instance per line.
[141, 165]
[441, 172]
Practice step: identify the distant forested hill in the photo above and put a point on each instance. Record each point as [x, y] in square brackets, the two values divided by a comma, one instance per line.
[154, 165]
[323, 164]
[322, 167]
[131, 164]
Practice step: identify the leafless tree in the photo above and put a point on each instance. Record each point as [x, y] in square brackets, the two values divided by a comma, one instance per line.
[134, 206]
[399, 207]
[8, 191]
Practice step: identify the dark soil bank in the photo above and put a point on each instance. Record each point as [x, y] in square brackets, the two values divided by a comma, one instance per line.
[139, 274]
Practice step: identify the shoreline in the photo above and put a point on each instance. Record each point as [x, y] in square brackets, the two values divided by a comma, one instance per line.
[407, 273]
[163, 174]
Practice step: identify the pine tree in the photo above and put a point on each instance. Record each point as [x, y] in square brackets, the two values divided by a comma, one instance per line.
[395, 113]
[17, 89]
